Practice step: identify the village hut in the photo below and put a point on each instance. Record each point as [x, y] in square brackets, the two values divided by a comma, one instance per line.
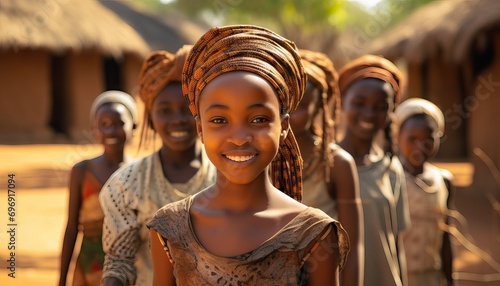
[452, 54]
[56, 56]
[166, 31]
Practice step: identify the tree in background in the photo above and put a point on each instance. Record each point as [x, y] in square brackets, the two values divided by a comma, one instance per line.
[339, 28]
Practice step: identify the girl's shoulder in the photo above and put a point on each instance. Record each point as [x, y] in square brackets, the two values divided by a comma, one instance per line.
[340, 154]
[445, 174]
[171, 220]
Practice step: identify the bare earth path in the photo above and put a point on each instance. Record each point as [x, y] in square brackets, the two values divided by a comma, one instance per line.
[41, 177]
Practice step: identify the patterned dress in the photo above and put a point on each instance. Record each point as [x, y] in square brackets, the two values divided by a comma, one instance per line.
[130, 198]
[427, 195]
[277, 261]
[90, 260]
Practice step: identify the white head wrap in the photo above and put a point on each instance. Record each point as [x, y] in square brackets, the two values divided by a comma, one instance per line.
[414, 106]
[114, 96]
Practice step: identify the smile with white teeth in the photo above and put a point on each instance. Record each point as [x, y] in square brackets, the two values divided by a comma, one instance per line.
[240, 158]
[178, 134]
[366, 125]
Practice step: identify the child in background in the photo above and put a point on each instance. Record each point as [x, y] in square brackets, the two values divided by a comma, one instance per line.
[113, 118]
[241, 83]
[420, 125]
[370, 87]
[178, 169]
[330, 177]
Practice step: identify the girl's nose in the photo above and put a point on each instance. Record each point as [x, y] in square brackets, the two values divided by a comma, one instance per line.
[180, 117]
[240, 137]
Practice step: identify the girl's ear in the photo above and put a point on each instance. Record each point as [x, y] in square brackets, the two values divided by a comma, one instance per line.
[285, 126]
[199, 129]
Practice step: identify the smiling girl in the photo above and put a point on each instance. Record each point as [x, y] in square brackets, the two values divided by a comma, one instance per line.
[178, 169]
[370, 87]
[112, 118]
[246, 229]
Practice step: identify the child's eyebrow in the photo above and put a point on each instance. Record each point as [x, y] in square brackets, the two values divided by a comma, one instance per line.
[253, 106]
[216, 106]
[260, 105]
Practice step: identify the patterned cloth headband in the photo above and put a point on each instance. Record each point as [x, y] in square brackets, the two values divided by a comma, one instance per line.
[320, 71]
[158, 70]
[264, 53]
[370, 66]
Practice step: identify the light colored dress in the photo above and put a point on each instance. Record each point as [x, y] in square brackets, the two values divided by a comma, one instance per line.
[130, 198]
[88, 269]
[385, 212]
[427, 197]
[277, 261]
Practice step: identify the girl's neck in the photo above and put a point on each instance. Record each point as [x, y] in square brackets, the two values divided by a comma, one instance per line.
[180, 158]
[413, 170]
[306, 142]
[240, 198]
[356, 147]
[113, 155]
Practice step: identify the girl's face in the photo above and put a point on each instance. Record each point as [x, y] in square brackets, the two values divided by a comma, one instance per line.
[417, 141]
[240, 125]
[303, 117]
[172, 120]
[367, 104]
[114, 124]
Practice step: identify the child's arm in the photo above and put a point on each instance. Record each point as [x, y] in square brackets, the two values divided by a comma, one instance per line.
[120, 238]
[323, 264]
[446, 251]
[75, 183]
[163, 270]
[344, 189]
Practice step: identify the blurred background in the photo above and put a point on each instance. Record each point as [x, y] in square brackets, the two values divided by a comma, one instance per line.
[56, 56]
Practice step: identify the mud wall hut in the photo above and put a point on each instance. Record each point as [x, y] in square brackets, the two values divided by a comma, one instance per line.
[55, 57]
[452, 53]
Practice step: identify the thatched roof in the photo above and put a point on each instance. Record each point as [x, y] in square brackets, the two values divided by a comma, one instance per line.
[162, 32]
[449, 27]
[61, 25]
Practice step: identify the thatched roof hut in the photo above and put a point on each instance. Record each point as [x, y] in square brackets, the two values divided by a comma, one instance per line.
[444, 28]
[162, 32]
[56, 56]
[452, 52]
[62, 25]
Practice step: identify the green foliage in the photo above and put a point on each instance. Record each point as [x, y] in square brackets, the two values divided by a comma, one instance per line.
[305, 13]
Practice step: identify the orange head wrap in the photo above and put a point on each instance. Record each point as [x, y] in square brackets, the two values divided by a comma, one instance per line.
[264, 53]
[321, 72]
[370, 66]
[158, 70]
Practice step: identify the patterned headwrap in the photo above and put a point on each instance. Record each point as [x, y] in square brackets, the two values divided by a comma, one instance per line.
[266, 54]
[370, 66]
[321, 72]
[158, 70]
[113, 96]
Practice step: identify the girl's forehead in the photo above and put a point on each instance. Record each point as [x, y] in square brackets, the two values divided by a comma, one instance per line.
[420, 122]
[238, 85]
[372, 84]
[111, 109]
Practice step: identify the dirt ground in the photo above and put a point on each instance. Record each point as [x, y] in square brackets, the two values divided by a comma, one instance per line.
[41, 197]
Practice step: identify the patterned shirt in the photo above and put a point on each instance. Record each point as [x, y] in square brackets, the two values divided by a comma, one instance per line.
[129, 199]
